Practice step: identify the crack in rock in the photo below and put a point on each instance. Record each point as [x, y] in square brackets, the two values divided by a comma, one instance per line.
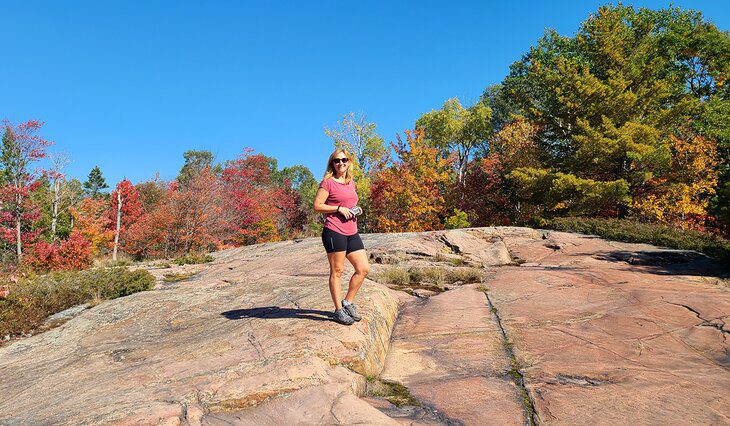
[706, 322]
[453, 247]
[562, 379]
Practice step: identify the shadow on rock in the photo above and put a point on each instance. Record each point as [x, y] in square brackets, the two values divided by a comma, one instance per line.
[274, 312]
[668, 262]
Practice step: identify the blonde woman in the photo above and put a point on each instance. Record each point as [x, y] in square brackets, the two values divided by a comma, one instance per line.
[335, 197]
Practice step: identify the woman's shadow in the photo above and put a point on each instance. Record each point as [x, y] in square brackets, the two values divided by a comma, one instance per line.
[273, 312]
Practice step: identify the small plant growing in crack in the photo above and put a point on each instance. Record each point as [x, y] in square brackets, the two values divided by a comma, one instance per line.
[395, 393]
[171, 278]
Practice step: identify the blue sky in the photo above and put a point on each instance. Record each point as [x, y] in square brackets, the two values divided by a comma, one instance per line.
[131, 85]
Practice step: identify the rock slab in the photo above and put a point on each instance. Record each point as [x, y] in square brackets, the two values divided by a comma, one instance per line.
[251, 328]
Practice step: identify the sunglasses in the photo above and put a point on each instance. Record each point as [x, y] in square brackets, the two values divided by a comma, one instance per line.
[340, 160]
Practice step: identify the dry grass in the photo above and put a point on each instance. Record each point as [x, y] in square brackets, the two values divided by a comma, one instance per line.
[171, 278]
[434, 275]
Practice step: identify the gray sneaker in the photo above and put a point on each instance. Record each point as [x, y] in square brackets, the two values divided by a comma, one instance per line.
[342, 317]
[351, 310]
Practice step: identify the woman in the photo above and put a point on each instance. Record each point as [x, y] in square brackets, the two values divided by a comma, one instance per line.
[335, 197]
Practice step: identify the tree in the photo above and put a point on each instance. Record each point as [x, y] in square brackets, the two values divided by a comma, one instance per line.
[503, 108]
[460, 129]
[91, 220]
[60, 190]
[95, 183]
[261, 207]
[198, 213]
[355, 134]
[195, 162]
[152, 193]
[609, 103]
[125, 209]
[408, 196]
[302, 181]
[486, 199]
[22, 147]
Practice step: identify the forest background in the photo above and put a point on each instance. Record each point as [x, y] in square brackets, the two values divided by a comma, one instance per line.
[626, 120]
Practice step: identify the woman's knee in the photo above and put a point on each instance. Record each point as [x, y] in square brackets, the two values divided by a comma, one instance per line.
[336, 271]
[363, 270]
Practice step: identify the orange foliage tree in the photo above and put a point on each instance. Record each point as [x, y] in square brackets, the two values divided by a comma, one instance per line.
[681, 196]
[180, 219]
[92, 222]
[408, 196]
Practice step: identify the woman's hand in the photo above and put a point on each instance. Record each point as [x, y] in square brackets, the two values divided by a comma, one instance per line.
[344, 211]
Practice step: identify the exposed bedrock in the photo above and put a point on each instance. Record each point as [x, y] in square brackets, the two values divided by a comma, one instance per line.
[561, 328]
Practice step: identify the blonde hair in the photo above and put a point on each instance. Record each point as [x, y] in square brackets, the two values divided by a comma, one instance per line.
[330, 170]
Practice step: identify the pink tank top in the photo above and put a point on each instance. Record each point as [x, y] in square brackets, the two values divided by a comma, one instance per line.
[340, 194]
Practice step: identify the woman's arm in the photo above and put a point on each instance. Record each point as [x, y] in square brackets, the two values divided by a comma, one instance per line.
[321, 207]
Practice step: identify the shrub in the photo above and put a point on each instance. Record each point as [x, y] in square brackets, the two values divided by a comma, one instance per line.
[193, 258]
[649, 233]
[31, 299]
[458, 220]
[71, 254]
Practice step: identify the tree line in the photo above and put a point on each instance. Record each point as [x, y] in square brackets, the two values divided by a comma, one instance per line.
[627, 118]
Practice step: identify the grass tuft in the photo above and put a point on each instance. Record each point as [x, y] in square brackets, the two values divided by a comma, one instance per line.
[171, 278]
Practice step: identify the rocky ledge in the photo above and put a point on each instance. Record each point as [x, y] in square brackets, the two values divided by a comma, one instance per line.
[490, 326]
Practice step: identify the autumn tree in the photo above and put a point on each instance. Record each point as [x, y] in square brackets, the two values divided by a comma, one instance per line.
[355, 134]
[62, 192]
[459, 129]
[261, 208]
[95, 183]
[195, 162]
[408, 196]
[302, 181]
[91, 220]
[180, 220]
[610, 104]
[486, 200]
[152, 193]
[125, 210]
[22, 147]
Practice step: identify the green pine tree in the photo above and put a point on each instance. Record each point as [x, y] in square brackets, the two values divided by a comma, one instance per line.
[95, 183]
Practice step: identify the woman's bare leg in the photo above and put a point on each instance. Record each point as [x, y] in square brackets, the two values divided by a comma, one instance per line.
[337, 265]
[359, 260]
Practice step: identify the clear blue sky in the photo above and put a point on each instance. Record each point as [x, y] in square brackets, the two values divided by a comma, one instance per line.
[131, 85]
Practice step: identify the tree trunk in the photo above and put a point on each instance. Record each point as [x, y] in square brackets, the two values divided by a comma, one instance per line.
[119, 224]
[54, 208]
[19, 243]
[18, 214]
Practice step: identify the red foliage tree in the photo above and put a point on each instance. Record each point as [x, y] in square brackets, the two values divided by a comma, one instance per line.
[125, 210]
[486, 200]
[21, 147]
[260, 208]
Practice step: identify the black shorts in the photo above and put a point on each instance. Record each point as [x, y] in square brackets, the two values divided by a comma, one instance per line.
[334, 241]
